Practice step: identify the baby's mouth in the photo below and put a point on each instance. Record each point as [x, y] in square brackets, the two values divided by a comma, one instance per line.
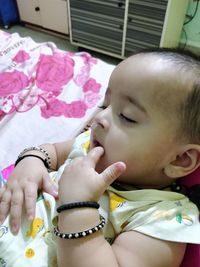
[96, 143]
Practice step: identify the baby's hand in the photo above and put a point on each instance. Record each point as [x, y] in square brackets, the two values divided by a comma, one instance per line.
[29, 176]
[80, 181]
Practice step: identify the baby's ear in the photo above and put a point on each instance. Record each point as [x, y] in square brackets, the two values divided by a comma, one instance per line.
[187, 160]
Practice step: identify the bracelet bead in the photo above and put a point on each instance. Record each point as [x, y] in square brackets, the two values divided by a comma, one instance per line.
[85, 204]
[82, 233]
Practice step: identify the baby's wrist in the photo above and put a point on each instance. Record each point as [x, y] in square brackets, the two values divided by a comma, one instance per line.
[35, 152]
[78, 219]
[44, 153]
[73, 195]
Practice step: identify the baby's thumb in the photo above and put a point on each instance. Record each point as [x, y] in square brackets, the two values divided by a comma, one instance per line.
[49, 186]
[111, 173]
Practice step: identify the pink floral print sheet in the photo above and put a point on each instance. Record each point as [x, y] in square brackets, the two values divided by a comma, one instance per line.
[46, 94]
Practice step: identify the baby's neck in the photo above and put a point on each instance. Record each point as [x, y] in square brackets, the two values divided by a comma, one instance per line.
[175, 187]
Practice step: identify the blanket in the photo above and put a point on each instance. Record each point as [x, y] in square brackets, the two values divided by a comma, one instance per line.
[46, 94]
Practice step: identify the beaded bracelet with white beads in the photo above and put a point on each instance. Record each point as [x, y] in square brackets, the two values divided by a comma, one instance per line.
[82, 233]
[39, 149]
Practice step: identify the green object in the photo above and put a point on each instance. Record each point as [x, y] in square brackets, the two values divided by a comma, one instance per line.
[179, 217]
[190, 36]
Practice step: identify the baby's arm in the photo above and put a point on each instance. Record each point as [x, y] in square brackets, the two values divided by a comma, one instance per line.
[29, 176]
[80, 182]
[130, 249]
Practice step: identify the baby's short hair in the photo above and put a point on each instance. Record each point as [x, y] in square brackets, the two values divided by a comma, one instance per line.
[185, 62]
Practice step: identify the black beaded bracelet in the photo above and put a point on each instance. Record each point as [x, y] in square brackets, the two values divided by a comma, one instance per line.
[82, 233]
[85, 204]
[31, 155]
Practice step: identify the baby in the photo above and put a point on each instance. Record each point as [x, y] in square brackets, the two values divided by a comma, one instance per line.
[145, 138]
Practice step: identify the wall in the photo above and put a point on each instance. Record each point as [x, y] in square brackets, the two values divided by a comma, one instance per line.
[190, 37]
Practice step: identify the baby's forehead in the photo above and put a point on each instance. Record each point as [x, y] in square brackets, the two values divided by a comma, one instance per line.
[158, 69]
[145, 69]
[166, 64]
[146, 64]
[151, 61]
[165, 84]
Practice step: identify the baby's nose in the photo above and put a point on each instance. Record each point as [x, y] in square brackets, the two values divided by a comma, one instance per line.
[101, 119]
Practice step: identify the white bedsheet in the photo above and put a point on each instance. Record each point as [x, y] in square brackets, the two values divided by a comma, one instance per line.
[46, 94]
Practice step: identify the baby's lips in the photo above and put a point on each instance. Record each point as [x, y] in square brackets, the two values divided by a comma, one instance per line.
[95, 143]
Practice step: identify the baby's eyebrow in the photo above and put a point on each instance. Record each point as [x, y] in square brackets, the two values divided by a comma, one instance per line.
[133, 101]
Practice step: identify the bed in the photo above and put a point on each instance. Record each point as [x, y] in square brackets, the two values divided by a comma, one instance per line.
[50, 95]
[46, 94]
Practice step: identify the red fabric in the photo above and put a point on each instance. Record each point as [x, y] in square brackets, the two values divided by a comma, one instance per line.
[191, 179]
[192, 256]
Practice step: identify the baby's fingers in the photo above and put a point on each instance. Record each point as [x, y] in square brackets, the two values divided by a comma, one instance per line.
[30, 200]
[2, 190]
[16, 210]
[4, 204]
[95, 154]
[111, 173]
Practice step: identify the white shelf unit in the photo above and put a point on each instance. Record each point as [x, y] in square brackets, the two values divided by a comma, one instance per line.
[48, 14]
[121, 27]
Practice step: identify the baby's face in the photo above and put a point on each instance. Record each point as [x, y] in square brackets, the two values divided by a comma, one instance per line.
[134, 126]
